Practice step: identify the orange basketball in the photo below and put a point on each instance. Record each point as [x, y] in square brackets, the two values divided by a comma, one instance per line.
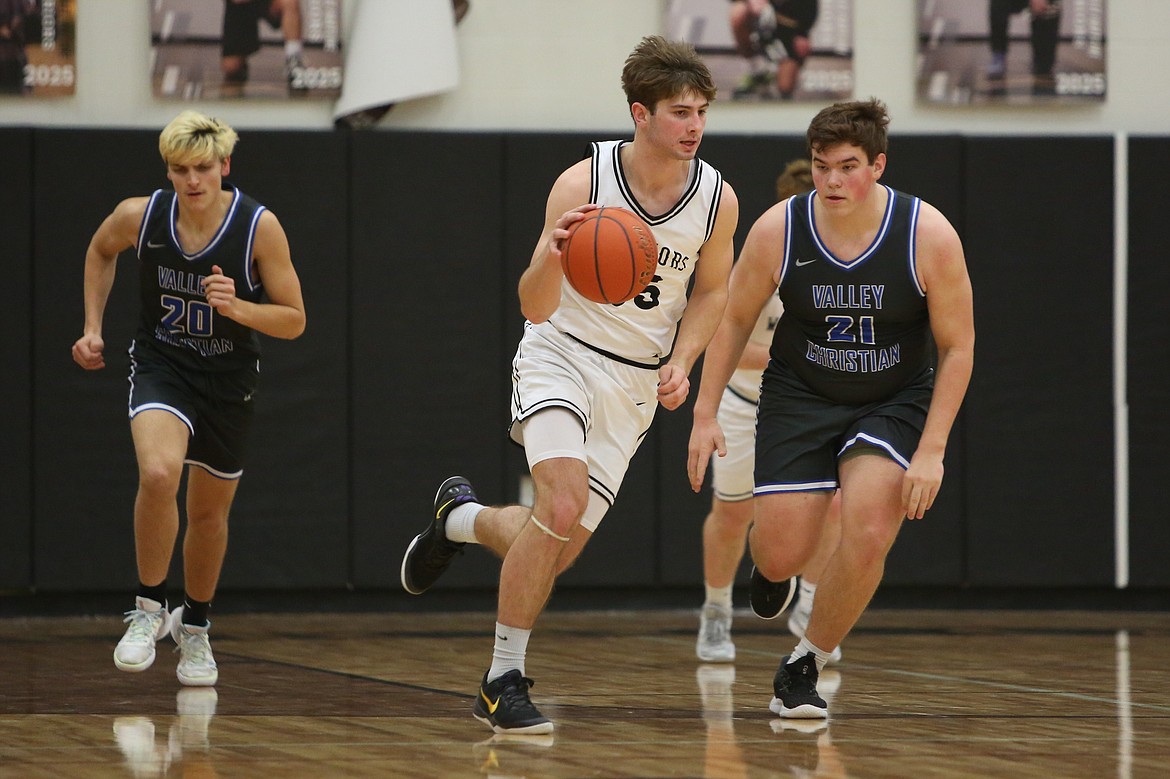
[610, 255]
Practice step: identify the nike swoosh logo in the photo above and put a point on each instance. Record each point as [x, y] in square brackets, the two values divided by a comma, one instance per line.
[441, 510]
[802, 263]
[150, 245]
[502, 638]
[491, 706]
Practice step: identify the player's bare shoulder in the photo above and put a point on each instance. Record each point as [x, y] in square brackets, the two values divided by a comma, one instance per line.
[939, 251]
[575, 181]
[130, 211]
[120, 229]
[727, 216]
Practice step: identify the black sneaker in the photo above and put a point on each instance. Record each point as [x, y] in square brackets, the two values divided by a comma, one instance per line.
[431, 551]
[795, 688]
[767, 598]
[504, 705]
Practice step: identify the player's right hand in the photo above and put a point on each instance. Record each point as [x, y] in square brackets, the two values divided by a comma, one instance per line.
[87, 352]
[556, 240]
[706, 437]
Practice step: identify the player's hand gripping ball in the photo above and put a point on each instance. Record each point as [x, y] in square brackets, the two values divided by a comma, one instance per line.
[610, 255]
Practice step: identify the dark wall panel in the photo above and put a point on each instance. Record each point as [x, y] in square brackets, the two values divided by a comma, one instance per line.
[1039, 433]
[84, 533]
[429, 381]
[290, 521]
[1149, 362]
[16, 523]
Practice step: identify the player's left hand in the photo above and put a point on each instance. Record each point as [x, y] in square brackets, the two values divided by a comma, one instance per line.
[220, 290]
[673, 386]
[920, 484]
[706, 439]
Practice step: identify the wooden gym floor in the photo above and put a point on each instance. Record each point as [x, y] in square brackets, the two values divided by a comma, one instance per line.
[919, 694]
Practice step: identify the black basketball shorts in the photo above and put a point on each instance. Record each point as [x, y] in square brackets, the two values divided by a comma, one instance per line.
[800, 435]
[216, 407]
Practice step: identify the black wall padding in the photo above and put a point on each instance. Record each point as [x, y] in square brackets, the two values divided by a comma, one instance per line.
[429, 379]
[1039, 423]
[290, 519]
[83, 460]
[16, 525]
[409, 246]
[1149, 362]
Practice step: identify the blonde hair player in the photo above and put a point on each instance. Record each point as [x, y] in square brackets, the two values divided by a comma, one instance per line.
[214, 272]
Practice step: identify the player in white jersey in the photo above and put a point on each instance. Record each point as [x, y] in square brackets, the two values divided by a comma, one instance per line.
[732, 479]
[587, 377]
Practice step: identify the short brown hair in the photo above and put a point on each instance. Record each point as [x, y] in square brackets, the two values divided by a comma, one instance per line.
[658, 69]
[796, 178]
[861, 123]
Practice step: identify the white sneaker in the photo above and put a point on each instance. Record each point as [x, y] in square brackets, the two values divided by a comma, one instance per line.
[714, 644]
[798, 624]
[148, 622]
[196, 663]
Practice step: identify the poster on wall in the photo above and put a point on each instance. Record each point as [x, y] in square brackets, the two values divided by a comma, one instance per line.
[762, 50]
[209, 49]
[1011, 51]
[37, 47]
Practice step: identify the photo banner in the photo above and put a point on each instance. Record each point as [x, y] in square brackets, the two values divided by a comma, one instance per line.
[770, 50]
[269, 49]
[398, 51]
[38, 47]
[1011, 51]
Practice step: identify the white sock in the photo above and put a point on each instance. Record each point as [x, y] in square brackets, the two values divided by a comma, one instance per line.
[720, 596]
[805, 647]
[807, 593]
[292, 48]
[511, 647]
[460, 524]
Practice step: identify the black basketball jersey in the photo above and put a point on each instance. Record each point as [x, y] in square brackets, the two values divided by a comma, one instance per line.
[175, 315]
[855, 332]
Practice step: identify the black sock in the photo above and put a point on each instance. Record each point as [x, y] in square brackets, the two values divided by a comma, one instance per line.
[157, 593]
[195, 612]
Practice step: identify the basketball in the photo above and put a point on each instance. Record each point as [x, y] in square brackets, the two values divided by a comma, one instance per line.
[610, 255]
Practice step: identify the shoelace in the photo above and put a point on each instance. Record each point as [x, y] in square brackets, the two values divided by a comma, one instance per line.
[195, 648]
[142, 624]
[716, 629]
[516, 694]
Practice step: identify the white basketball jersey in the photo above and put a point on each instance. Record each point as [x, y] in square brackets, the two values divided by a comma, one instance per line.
[745, 382]
[642, 330]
